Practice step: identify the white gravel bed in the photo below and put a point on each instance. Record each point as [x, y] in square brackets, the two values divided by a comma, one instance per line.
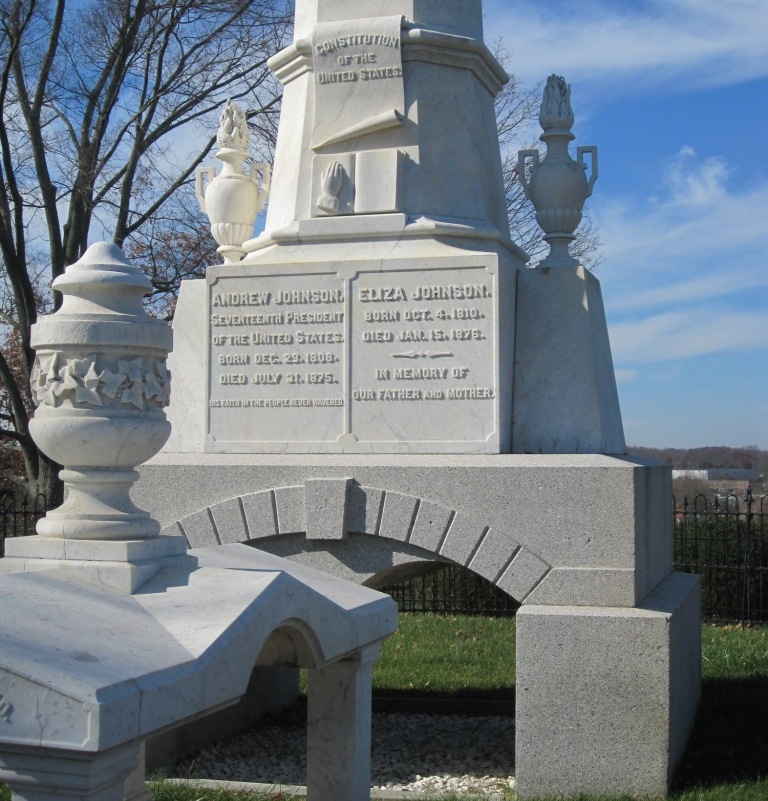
[411, 752]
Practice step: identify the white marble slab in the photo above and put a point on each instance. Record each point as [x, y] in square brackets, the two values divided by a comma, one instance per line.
[356, 356]
[358, 78]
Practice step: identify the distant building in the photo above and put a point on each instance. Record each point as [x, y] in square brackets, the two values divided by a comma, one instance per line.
[718, 474]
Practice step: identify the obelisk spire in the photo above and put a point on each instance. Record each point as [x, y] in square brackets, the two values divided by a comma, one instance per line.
[373, 90]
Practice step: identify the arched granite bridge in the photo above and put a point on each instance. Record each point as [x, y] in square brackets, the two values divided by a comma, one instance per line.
[328, 514]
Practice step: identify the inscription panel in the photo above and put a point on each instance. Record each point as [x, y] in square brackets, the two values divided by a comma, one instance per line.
[358, 73]
[276, 359]
[423, 346]
[353, 358]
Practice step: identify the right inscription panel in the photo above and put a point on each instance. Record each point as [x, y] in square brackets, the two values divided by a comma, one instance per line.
[423, 355]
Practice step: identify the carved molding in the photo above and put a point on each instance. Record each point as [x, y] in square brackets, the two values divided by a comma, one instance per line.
[93, 381]
[453, 534]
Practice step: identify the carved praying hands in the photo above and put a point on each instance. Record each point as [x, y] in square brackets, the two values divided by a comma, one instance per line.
[330, 185]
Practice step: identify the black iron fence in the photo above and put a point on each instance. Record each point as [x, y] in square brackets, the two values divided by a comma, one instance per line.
[19, 515]
[452, 590]
[724, 540]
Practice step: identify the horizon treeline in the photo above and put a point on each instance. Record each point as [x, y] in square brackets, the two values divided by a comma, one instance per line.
[748, 457]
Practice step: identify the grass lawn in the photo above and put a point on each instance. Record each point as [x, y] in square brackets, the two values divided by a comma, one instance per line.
[729, 746]
[463, 656]
[726, 760]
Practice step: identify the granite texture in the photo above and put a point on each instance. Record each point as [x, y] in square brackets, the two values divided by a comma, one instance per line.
[325, 503]
[606, 697]
[597, 528]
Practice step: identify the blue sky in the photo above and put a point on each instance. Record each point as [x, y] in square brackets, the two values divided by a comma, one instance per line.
[675, 95]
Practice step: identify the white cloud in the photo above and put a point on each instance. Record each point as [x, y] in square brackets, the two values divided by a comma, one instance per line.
[624, 376]
[699, 186]
[695, 240]
[658, 42]
[686, 333]
[685, 272]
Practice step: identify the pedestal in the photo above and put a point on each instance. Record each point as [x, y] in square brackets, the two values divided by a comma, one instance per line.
[339, 729]
[45, 775]
[606, 697]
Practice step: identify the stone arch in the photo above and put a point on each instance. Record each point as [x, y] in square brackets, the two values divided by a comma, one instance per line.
[329, 510]
[290, 644]
[250, 669]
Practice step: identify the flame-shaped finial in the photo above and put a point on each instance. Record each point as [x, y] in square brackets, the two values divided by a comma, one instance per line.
[556, 111]
[233, 127]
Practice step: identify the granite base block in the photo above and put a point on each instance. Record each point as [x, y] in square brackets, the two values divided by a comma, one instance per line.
[606, 697]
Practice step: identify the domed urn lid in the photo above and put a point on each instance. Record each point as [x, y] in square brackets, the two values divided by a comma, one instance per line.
[104, 276]
[102, 305]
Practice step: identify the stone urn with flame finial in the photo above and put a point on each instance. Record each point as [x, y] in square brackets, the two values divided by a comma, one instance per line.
[557, 185]
[232, 199]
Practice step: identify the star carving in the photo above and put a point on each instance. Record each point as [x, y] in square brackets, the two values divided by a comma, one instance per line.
[111, 382]
[87, 388]
[134, 376]
[131, 381]
[152, 388]
[158, 383]
[67, 380]
[164, 376]
[45, 376]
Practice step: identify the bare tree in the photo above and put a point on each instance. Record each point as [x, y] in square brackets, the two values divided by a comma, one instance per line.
[96, 98]
[175, 245]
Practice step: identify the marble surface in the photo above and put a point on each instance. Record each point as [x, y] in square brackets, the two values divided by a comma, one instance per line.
[384, 309]
[381, 82]
[376, 312]
[565, 396]
[117, 667]
[410, 355]
[368, 209]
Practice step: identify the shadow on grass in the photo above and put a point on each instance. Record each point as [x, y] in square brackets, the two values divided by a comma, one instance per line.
[470, 701]
[729, 741]
[465, 694]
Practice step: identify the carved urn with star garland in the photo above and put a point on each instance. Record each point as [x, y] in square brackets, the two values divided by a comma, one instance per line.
[101, 386]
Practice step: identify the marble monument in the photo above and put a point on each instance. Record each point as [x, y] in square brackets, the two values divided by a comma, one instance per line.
[382, 382]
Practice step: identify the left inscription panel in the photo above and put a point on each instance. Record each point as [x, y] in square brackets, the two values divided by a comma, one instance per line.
[275, 346]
